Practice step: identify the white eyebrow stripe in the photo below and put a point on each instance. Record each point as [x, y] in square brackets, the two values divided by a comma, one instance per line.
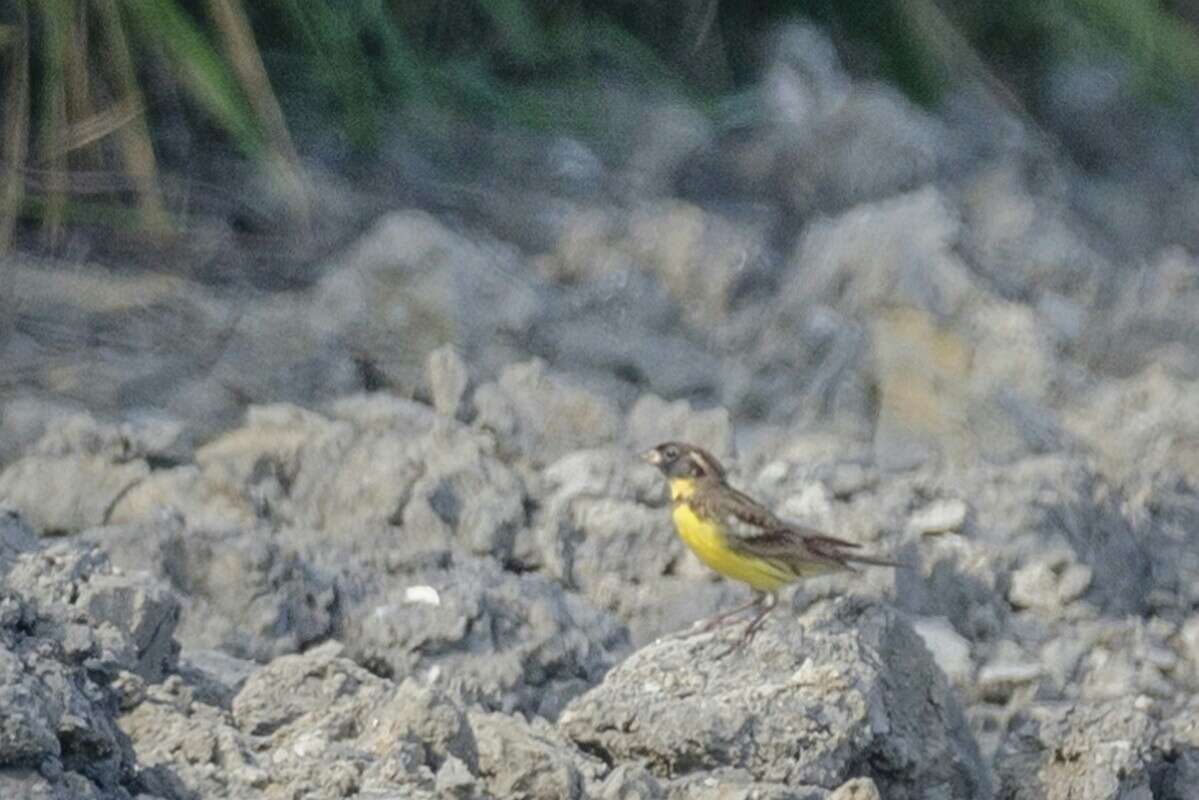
[707, 464]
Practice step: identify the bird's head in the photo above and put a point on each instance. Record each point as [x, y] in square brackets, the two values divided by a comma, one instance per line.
[679, 460]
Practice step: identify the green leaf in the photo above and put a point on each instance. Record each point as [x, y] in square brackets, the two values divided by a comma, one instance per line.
[330, 35]
[518, 28]
[199, 66]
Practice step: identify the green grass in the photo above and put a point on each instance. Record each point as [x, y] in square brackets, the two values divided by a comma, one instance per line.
[75, 73]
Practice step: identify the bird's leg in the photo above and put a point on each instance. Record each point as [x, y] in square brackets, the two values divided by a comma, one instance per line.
[705, 625]
[771, 600]
[768, 600]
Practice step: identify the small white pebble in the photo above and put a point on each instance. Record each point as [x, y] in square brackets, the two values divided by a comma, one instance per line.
[1161, 657]
[422, 594]
[942, 516]
[774, 472]
[803, 673]
[309, 745]
[999, 680]
[1074, 582]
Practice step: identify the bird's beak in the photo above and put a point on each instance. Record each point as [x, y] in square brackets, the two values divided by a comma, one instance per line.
[653, 457]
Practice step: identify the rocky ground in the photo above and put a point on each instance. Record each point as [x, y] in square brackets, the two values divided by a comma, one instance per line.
[384, 535]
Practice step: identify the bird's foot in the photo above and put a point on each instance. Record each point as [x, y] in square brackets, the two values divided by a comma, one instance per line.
[699, 627]
[721, 619]
[751, 630]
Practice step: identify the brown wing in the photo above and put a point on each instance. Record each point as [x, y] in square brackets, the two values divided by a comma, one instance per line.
[739, 514]
[799, 546]
[751, 529]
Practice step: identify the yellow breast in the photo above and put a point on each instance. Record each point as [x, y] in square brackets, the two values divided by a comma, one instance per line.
[706, 539]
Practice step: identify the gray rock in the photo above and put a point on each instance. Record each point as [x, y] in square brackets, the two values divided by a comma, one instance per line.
[1050, 584]
[943, 516]
[426, 715]
[630, 782]
[1186, 643]
[25, 418]
[145, 610]
[949, 649]
[190, 748]
[134, 616]
[1088, 514]
[1150, 414]
[454, 780]
[467, 497]
[604, 545]
[360, 484]
[1000, 679]
[1152, 323]
[383, 411]
[28, 731]
[29, 783]
[159, 438]
[263, 460]
[1027, 242]
[875, 144]
[329, 719]
[1174, 771]
[81, 469]
[214, 676]
[601, 473]
[864, 698]
[541, 416]
[700, 257]
[487, 636]
[833, 143]
[1103, 752]
[316, 725]
[652, 421]
[383, 468]
[247, 595]
[619, 339]
[55, 573]
[242, 591]
[1034, 586]
[671, 132]
[67, 493]
[856, 789]
[525, 761]
[412, 279]
[598, 533]
[805, 78]
[916, 268]
[1057, 510]
[191, 494]
[737, 783]
[16, 537]
[57, 734]
[914, 323]
[448, 379]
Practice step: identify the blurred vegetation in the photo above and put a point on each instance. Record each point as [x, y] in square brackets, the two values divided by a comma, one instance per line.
[91, 89]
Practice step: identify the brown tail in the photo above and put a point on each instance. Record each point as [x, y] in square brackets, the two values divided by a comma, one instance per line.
[871, 560]
[831, 547]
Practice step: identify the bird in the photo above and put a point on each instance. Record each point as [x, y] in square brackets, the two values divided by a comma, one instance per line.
[740, 538]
